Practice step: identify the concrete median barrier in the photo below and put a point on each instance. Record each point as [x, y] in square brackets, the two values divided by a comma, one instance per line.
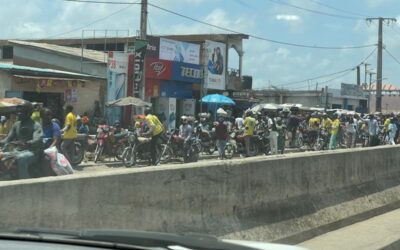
[286, 198]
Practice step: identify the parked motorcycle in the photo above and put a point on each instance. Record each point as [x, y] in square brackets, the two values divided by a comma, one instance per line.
[110, 144]
[176, 148]
[236, 145]
[207, 139]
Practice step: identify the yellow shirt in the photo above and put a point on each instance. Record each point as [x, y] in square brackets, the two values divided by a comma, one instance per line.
[313, 122]
[386, 124]
[335, 127]
[36, 116]
[249, 124]
[154, 124]
[326, 124]
[70, 120]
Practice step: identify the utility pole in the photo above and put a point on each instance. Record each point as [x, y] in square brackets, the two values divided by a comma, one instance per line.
[358, 75]
[379, 60]
[366, 72]
[143, 20]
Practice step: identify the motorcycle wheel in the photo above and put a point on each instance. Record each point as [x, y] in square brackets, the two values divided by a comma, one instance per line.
[79, 154]
[211, 149]
[119, 151]
[165, 155]
[228, 152]
[129, 157]
[267, 149]
[98, 152]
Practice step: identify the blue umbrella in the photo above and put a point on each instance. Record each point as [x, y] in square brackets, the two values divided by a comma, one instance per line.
[217, 99]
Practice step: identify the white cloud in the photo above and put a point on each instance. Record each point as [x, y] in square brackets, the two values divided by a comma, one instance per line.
[377, 3]
[287, 17]
[283, 52]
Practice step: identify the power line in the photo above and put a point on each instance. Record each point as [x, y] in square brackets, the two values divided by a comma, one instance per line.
[331, 74]
[93, 22]
[315, 11]
[102, 2]
[392, 56]
[338, 9]
[262, 38]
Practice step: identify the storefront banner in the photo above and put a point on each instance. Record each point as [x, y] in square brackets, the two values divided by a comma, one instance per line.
[167, 109]
[215, 66]
[187, 72]
[117, 72]
[71, 95]
[153, 47]
[172, 50]
[189, 107]
[158, 69]
[140, 52]
[176, 89]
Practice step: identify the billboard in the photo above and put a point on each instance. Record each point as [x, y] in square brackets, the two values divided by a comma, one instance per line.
[117, 72]
[215, 65]
[172, 50]
[153, 46]
[351, 90]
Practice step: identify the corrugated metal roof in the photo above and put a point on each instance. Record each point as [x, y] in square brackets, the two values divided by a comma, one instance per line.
[88, 54]
[38, 71]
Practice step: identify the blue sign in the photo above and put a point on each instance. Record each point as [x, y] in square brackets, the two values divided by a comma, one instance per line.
[176, 89]
[187, 72]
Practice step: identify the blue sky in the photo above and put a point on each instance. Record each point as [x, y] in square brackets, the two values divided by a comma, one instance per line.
[268, 63]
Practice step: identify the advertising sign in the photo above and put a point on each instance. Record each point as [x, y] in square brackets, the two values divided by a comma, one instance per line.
[351, 90]
[187, 72]
[117, 71]
[215, 65]
[189, 106]
[158, 69]
[172, 50]
[167, 109]
[153, 47]
[140, 51]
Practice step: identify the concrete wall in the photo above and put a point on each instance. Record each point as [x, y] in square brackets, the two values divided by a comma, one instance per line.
[261, 198]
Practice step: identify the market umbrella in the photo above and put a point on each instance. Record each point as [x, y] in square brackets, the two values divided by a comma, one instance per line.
[268, 106]
[129, 101]
[10, 102]
[217, 99]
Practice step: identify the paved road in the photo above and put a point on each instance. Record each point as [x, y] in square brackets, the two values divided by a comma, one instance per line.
[374, 233]
[110, 164]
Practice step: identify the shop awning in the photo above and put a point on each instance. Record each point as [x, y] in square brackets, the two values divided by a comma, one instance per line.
[48, 78]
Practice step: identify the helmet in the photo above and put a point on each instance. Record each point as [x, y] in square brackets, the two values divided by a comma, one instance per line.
[117, 123]
[184, 118]
[147, 111]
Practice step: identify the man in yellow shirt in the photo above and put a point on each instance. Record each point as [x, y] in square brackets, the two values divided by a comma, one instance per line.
[334, 131]
[69, 134]
[155, 131]
[326, 123]
[314, 121]
[249, 125]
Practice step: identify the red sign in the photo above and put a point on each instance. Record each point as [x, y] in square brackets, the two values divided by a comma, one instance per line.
[158, 69]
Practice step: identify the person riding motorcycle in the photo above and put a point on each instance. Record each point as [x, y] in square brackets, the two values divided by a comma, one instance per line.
[51, 130]
[156, 130]
[185, 132]
[26, 135]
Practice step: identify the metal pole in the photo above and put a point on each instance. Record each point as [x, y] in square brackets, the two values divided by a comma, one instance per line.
[378, 103]
[358, 76]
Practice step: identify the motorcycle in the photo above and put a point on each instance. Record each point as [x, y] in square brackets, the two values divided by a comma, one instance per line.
[138, 147]
[236, 145]
[177, 148]
[109, 144]
[207, 139]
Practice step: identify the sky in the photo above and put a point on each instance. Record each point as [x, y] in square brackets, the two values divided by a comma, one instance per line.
[339, 24]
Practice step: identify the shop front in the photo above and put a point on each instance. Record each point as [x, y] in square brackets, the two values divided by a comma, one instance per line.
[53, 88]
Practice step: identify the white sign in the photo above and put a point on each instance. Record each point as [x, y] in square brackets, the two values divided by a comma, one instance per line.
[189, 106]
[215, 65]
[179, 51]
[167, 107]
